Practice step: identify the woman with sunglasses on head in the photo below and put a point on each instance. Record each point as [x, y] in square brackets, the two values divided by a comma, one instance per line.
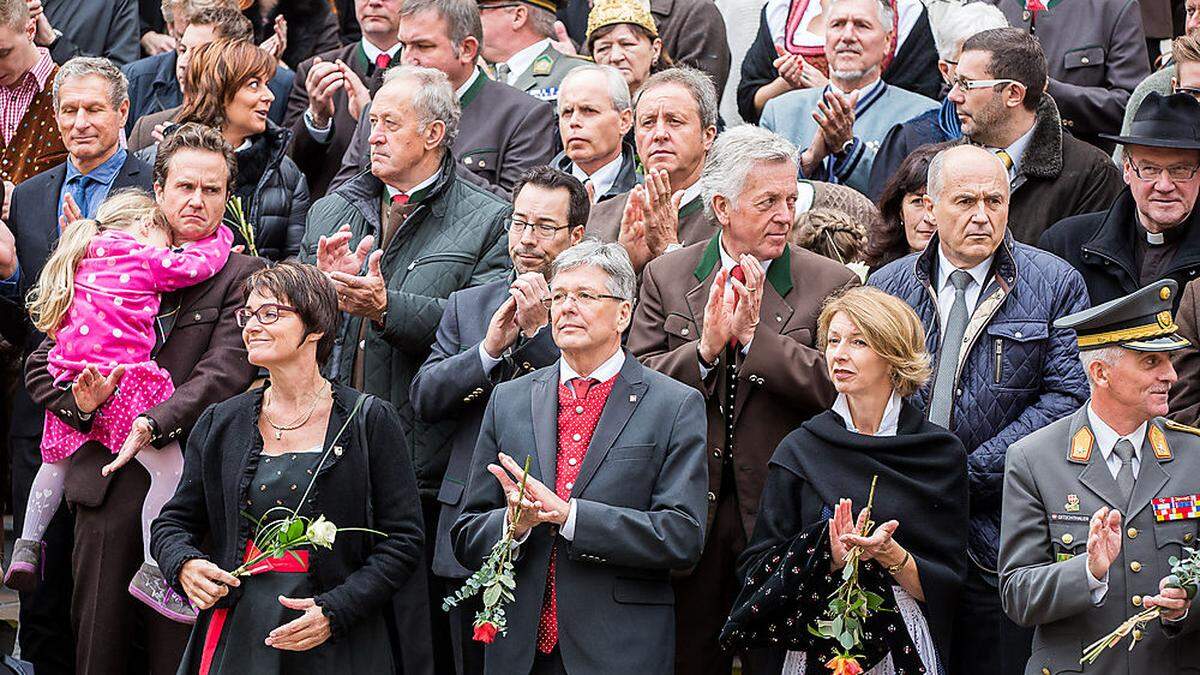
[298, 445]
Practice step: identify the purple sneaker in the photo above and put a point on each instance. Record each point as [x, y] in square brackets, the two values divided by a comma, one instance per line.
[150, 587]
[24, 573]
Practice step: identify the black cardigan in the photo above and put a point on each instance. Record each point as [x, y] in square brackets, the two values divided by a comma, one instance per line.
[362, 572]
[914, 66]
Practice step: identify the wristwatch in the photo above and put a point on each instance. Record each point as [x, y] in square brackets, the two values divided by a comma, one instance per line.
[845, 147]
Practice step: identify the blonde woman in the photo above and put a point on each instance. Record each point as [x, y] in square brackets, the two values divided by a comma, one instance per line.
[97, 298]
[915, 558]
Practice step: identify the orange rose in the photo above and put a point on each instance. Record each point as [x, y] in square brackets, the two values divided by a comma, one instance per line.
[844, 665]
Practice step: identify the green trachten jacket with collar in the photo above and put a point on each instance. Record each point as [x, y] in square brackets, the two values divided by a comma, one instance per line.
[455, 238]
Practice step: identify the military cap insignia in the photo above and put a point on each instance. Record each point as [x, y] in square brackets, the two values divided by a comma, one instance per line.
[1081, 445]
[1158, 441]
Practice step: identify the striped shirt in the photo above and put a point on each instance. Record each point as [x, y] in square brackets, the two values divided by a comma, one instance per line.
[15, 100]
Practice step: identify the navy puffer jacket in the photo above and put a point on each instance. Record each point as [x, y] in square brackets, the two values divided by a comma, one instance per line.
[1017, 374]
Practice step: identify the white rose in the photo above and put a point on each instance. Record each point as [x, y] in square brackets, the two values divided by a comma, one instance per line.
[322, 532]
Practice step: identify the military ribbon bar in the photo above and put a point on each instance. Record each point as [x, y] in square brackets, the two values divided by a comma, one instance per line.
[1183, 507]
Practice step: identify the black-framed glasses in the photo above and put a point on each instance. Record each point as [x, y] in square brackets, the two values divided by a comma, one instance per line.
[266, 314]
[1190, 91]
[498, 5]
[1153, 173]
[582, 298]
[540, 230]
[965, 84]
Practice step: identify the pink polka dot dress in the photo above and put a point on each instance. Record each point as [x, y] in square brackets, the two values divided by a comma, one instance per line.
[111, 322]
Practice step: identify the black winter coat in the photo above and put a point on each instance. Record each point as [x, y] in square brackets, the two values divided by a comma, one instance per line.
[276, 193]
[311, 26]
[371, 486]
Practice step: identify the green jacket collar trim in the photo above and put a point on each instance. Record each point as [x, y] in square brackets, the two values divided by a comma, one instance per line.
[473, 91]
[779, 274]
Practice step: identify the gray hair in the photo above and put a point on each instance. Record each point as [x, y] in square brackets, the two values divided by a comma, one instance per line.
[461, 17]
[190, 7]
[736, 153]
[960, 22]
[15, 15]
[82, 66]
[541, 21]
[698, 84]
[432, 98]
[887, 16]
[618, 88]
[934, 178]
[1109, 356]
[610, 258]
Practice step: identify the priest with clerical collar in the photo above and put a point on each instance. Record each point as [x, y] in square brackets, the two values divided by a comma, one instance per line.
[1149, 232]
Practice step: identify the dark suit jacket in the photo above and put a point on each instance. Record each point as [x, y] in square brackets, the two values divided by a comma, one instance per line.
[107, 28]
[320, 161]
[639, 503]
[693, 34]
[781, 382]
[452, 385]
[142, 135]
[33, 219]
[202, 350]
[502, 133]
[628, 177]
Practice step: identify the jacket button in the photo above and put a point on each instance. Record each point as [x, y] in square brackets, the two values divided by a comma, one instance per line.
[717, 453]
[712, 497]
[1133, 533]
[1045, 671]
[1188, 537]
[1137, 634]
[684, 331]
[526, 366]
[1067, 539]
[1135, 566]
[1084, 60]
[1136, 600]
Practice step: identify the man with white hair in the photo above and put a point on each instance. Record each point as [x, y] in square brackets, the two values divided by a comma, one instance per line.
[958, 22]
[842, 124]
[1097, 504]
[1002, 367]
[594, 114]
[735, 318]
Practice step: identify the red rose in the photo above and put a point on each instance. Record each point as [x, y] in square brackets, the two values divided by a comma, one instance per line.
[485, 632]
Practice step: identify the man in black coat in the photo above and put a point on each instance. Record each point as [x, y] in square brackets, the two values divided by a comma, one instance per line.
[70, 28]
[1150, 232]
[90, 123]
[491, 334]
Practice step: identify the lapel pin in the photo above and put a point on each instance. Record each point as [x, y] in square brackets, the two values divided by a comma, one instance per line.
[1072, 505]
[633, 398]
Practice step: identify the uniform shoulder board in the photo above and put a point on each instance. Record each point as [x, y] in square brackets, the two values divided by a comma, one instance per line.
[542, 65]
[1176, 426]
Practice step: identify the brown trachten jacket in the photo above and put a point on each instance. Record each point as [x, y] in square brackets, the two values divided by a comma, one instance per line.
[1185, 395]
[604, 221]
[780, 382]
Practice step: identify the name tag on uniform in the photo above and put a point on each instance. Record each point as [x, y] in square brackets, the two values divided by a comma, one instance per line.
[1183, 507]
[1069, 518]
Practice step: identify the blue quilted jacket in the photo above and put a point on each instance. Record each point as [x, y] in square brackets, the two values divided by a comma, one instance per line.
[1017, 374]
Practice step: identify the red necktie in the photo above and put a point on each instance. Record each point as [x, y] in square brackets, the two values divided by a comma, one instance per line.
[581, 385]
[399, 199]
[740, 275]
[383, 61]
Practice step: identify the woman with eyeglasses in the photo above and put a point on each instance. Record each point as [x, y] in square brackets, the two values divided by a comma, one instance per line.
[298, 445]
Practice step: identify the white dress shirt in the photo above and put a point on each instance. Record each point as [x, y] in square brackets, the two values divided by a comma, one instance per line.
[475, 75]
[1016, 151]
[521, 61]
[602, 179]
[392, 192]
[889, 424]
[322, 134]
[945, 290]
[689, 193]
[1106, 440]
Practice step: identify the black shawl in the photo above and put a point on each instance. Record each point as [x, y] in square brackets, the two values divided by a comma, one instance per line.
[922, 484]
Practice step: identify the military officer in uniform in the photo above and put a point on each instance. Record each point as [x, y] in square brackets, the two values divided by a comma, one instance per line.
[1086, 533]
[517, 43]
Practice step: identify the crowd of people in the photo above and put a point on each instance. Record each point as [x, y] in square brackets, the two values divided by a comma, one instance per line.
[684, 311]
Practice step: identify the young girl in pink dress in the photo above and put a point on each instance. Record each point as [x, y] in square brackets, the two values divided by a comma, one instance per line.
[98, 298]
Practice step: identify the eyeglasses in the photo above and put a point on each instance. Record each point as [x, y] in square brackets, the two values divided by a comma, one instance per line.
[964, 84]
[1153, 173]
[498, 5]
[266, 314]
[540, 230]
[582, 298]
[1190, 91]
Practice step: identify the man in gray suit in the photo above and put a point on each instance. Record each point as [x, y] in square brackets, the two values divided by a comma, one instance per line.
[517, 41]
[616, 486]
[1088, 522]
[491, 334]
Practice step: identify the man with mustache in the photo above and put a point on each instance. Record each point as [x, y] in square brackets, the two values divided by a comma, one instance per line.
[1149, 232]
[999, 92]
[735, 318]
[844, 123]
[1002, 369]
[1086, 540]
[491, 334]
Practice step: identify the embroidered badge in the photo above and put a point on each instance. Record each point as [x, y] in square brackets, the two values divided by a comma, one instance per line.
[1158, 441]
[1081, 445]
[1183, 507]
[1072, 505]
[542, 65]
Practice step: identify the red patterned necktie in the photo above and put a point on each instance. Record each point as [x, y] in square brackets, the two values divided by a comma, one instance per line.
[399, 199]
[581, 385]
[737, 273]
[383, 61]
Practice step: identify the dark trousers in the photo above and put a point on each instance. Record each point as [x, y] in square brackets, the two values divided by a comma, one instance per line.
[548, 664]
[421, 636]
[114, 632]
[704, 597]
[45, 632]
[468, 653]
[986, 641]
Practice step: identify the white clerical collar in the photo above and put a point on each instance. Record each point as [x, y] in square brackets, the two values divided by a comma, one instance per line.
[604, 373]
[945, 267]
[1155, 238]
[1107, 437]
[889, 424]
[458, 93]
[727, 261]
[602, 178]
[373, 52]
[521, 61]
[392, 192]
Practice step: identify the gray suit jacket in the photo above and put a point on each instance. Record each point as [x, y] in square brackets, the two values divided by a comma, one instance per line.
[541, 79]
[107, 28]
[640, 506]
[1054, 480]
[502, 133]
[451, 385]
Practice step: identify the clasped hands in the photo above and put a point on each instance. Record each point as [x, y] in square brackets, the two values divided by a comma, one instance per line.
[1103, 547]
[539, 504]
[523, 313]
[835, 128]
[650, 222]
[732, 309]
[844, 534]
[362, 295]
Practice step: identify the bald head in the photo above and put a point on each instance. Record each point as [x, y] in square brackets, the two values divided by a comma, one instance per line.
[967, 194]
